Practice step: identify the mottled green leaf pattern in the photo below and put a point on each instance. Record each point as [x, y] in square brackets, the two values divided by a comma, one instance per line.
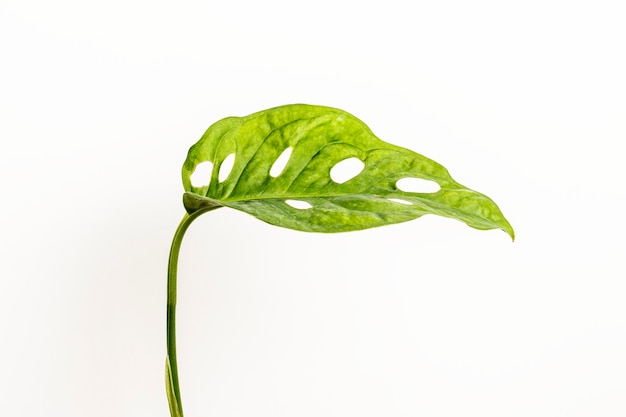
[303, 195]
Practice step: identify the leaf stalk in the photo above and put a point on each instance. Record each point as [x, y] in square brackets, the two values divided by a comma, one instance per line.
[171, 366]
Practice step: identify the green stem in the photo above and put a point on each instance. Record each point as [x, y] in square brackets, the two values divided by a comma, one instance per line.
[172, 385]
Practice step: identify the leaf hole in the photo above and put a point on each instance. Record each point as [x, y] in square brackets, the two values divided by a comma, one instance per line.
[298, 204]
[280, 163]
[226, 167]
[201, 175]
[400, 201]
[417, 185]
[346, 170]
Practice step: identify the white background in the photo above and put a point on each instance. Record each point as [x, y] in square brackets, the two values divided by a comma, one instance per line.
[523, 101]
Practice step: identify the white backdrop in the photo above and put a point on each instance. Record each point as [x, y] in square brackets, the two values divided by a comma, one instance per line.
[523, 101]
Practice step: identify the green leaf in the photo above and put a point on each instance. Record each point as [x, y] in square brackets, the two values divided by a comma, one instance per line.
[305, 195]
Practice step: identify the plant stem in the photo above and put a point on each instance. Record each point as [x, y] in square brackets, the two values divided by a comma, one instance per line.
[173, 388]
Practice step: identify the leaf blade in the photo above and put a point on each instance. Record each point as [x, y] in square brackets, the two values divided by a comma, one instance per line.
[320, 138]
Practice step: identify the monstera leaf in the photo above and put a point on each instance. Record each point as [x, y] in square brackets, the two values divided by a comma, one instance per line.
[245, 157]
[287, 166]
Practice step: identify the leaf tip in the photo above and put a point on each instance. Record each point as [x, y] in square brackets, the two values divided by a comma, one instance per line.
[512, 234]
[508, 229]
